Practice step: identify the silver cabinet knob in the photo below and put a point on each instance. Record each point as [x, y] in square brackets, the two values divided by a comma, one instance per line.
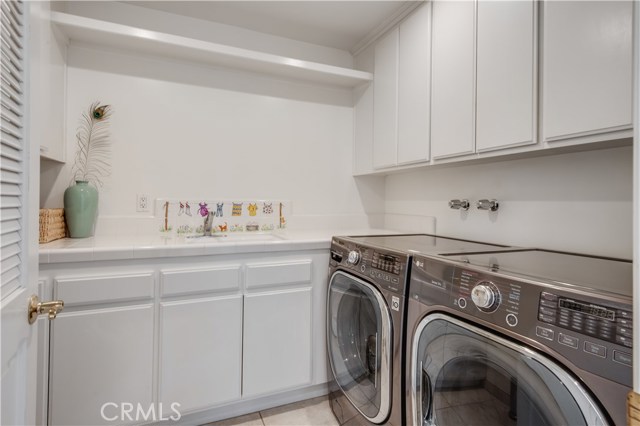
[488, 205]
[459, 204]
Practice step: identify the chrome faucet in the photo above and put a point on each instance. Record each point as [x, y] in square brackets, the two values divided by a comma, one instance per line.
[208, 222]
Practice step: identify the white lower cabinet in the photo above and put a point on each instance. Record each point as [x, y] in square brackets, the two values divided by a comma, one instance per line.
[277, 326]
[203, 333]
[100, 359]
[277, 341]
[202, 367]
[200, 337]
[101, 355]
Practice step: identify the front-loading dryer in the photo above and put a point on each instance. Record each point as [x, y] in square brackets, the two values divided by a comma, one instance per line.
[527, 337]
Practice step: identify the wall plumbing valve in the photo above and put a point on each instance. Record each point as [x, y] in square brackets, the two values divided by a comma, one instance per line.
[459, 204]
[491, 205]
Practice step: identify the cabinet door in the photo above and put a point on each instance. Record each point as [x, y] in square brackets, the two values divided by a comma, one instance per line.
[201, 352]
[413, 87]
[452, 78]
[48, 75]
[587, 80]
[277, 341]
[505, 87]
[98, 357]
[385, 101]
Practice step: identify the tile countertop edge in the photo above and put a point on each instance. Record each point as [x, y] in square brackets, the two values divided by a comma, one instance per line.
[86, 250]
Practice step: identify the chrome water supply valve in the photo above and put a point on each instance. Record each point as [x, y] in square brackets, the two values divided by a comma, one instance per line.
[459, 204]
[491, 205]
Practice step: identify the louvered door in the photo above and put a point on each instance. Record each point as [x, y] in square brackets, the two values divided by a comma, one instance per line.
[17, 360]
[12, 159]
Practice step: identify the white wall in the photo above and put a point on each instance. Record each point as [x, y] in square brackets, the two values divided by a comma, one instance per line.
[181, 130]
[579, 202]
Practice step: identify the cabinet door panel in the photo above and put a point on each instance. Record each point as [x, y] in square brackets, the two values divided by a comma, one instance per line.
[505, 74]
[413, 87]
[182, 282]
[452, 78]
[104, 289]
[273, 274]
[587, 81]
[277, 341]
[385, 101]
[201, 352]
[98, 357]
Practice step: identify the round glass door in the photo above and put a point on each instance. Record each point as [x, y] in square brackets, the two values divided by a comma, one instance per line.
[359, 344]
[464, 375]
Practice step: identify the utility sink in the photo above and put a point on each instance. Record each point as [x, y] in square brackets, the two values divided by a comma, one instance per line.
[236, 238]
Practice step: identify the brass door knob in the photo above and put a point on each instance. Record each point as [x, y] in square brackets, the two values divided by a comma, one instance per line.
[36, 307]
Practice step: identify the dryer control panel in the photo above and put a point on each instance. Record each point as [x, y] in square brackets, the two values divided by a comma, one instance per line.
[385, 268]
[591, 332]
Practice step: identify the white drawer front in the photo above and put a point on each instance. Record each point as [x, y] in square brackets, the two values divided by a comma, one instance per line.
[282, 273]
[220, 279]
[103, 289]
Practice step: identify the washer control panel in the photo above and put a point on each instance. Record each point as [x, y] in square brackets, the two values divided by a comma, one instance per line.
[596, 320]
[385, 268]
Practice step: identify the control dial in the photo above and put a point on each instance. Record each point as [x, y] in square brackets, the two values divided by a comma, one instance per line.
[354, 257]
[486, 296]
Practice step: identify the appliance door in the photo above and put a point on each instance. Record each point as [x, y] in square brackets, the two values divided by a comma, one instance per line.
[359, 342]
[464, 375]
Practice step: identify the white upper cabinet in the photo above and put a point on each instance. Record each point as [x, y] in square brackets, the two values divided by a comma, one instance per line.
[413, 87]
[587, 68]
[48, 74]
[453, 78]
[385, 101]
[401, 93]
[506, 89]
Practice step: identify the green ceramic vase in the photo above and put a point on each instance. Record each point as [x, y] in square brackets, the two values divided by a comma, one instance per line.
[80, 208]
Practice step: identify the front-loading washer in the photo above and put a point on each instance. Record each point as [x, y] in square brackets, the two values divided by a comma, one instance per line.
[366, 306]
[527, 337]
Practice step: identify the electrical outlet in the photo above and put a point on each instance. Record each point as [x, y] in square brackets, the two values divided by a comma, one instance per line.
[142, 204]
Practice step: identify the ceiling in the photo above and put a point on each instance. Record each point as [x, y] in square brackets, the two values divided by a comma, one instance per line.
[338, 24]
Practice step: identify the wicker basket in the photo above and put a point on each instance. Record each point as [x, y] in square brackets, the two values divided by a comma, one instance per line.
[52, 225]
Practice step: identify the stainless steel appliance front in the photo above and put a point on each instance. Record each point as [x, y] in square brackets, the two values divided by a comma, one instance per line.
[535, 337]
[365, 326]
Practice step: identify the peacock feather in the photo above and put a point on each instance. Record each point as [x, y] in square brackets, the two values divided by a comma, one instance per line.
[94, 149]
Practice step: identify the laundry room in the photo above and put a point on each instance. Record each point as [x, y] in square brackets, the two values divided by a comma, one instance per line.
[319, 212]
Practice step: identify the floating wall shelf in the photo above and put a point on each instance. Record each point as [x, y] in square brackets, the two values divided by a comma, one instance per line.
[128, 38]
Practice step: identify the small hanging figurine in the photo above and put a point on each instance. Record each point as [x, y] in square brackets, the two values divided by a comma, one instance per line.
[204, 211]
[253, 207]
[188, 211]
[181, 211]
[219, 209]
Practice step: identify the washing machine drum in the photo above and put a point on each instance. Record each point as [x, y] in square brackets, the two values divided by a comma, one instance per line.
[464, 375]
[359, 340]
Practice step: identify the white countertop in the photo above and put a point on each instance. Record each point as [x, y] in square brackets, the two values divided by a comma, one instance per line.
[136, 247]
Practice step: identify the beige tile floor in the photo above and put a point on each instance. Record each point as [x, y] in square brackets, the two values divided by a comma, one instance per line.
[311, 412]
